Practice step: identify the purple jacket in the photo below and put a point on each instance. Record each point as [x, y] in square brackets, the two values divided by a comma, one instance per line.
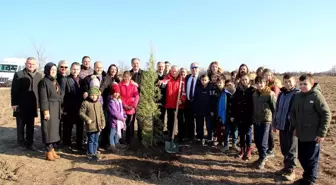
[116, 112]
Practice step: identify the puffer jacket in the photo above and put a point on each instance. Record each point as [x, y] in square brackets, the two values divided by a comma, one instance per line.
[92, 111]
[172, 89]
[129, 95]
[264, 103]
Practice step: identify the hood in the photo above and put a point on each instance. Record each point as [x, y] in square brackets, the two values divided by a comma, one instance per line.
[316, 88]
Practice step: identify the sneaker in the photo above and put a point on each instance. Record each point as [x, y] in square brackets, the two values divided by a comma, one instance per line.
[225, 149]
[97, 157]
[235, 148]
[241, 153]
[270, 153]
[203, 142]
[248, 155]
[261, 164]
[289, 175]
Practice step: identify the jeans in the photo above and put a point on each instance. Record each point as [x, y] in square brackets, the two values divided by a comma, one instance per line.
[21, 123]
[270, 141]
[200, 126]
[245, 136]
[309, 155]
[288, 145]
[114, 138]
[261, 133]
[230, 128]
[92, 142]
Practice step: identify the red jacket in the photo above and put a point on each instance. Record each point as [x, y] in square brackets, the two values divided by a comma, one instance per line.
[129, 96]
[172, 89]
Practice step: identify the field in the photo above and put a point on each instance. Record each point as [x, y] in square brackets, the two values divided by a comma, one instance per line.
[194, 165]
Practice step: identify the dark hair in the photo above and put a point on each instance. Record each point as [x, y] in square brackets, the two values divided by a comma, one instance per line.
[307, 76]
[204, 76]
[85, 58]
[233, 73]
[260, 70]
[228, 81]
[133, 59]
[127, 73]
[75, 64]
[287, 76]
[166, 62]
[108, 70]
[238, 73]
[221, 78]
[259, 80]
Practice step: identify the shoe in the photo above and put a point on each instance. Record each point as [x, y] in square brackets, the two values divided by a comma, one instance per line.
[49, 156]
[30, 147]
[241, 153]
[113, 149]
[289, 174]
[54, 154]
[203, 142]
[261, 164]
[97, 157]
[225, 149]
[300, 182]
[235, 148]
[121, 146]
[270, 153]
[248, 154]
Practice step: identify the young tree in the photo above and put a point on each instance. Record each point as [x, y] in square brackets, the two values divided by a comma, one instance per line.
[147, 110]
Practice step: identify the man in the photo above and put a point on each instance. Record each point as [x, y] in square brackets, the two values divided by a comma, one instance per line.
[24, 100]
[98, 72]
[86, 69]
[62, 73]
[136, 77]
[167, 67]
[191, 81]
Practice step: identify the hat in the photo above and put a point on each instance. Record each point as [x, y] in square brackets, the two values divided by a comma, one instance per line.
[94, 81]
[94, 91]
[115, 88]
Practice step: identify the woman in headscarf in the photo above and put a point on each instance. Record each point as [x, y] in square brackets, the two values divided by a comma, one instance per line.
[50, 97]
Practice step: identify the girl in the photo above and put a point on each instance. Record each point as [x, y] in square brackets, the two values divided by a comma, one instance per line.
[214, 68]
[242, 70]
[130, 98]
[116, 117]
[50, 106]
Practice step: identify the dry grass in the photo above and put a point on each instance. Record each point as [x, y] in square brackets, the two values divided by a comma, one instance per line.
[194, 165]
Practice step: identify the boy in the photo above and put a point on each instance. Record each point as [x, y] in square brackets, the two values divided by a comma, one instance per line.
[230, 126]
[264, 102]
[221, 109]
[204, 108]
[288, 142]
[91, 112]
[310, 116]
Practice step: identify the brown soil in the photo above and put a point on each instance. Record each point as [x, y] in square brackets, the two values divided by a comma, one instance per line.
[193, 165]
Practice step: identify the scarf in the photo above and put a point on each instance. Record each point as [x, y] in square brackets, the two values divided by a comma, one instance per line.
[222, 107]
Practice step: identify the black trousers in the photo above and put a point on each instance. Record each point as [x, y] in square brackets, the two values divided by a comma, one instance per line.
[105, 134]
[21, 123]
[130, 120]
[170, 123]
[288, 145]
[189, 120]
[71, 120]
[309, 155]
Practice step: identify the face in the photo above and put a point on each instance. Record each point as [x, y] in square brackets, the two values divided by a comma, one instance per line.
[214, 68]
[305, 86]
[229, 86]
[31, 65]
[268, 76]
[98, 68]
[261, 85]
[53, 71]
[205, 81]
[86, 62]
[245, 80]
[113, 70]
[243, 70]
[160, 67]
[174, 72]
[136, 64]
[127, 78]
[194, 69]
[233, 77]
[167, 66]
[260, 73]
[289, 83]
[183, 73]
[63, 68]
[75, 69]
[221, 84]
[214, 78]
[116, 95]
[94, 97]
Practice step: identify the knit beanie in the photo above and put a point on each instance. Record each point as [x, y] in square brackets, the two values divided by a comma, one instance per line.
[115, 88]
[94, 81]
[94, 91]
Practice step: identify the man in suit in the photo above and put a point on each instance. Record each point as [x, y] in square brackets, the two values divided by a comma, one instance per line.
[191, 81]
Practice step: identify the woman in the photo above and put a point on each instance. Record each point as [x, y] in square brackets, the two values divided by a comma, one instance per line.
[214, 68]
[50, 96]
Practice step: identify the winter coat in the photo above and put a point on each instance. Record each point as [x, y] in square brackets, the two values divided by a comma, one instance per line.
[275, 86]
[50, 103]
[264, 103]
[310, 114]
[221, 106]
[162, 90]
[105, 87]
[283, 108]
[136, 77]
[116, 112]
[130, 96]
[242, 108]
[229, 105]
[92, 111]
[73, 96]
[172, 89]
[85, 72]
[61, 80]
[204, 101]
[24, 93]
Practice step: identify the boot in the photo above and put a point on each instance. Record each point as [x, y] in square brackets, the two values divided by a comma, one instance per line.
[54, 154]
[49, 156]
[241, 153]
[248, 154]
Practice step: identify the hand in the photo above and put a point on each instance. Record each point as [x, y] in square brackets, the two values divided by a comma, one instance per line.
[134, 83]
[14, 107]
[159, 83]
[89, 122]
[212, 114]
[47, 117]
[231, 119]
[179, 102]
[124, 119]
[274, 129]
[319, 139]
[294, 133]
[85, 95]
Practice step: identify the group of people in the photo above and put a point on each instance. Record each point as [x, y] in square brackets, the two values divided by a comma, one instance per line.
[106, 103]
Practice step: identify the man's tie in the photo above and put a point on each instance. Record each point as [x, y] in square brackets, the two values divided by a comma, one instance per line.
[191, 88]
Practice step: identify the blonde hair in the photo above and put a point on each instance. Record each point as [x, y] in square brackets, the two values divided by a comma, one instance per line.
[220, 70]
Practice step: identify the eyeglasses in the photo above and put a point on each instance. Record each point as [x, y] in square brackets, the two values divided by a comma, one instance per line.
[64, 67]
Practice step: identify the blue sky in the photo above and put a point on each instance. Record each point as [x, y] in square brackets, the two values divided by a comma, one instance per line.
[285, 35]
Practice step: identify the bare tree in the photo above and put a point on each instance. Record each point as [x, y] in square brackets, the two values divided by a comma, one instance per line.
[40, 51]
[123, 66]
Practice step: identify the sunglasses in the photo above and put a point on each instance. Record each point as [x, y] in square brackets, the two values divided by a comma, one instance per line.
[194, 67]
[64, 67]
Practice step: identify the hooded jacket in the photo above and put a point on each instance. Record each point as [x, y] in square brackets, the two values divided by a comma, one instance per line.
[264, 103]
[310, 114]
[283, 108]
[130, 96]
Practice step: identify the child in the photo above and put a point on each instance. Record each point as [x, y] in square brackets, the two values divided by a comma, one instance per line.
[233, 76]
[91, 112]
[231, 126]
[310, 116]
[214, 78]
[96, 83]
[288, 142]
[116, 117]
[130, 97]
[242, 70]
[221, 109]
[204, 108]
[213, 83]
[242, 110]
[264, 101]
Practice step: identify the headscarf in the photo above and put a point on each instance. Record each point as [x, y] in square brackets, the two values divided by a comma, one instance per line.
[47, 69]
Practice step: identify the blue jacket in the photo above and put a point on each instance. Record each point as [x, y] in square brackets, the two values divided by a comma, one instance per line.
[204, 100]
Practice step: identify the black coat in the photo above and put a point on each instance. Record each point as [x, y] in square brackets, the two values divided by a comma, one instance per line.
[243, 106]
[204, 101]
[61, 80]
[162, 101]
[136, 77]
[50, 100]
[105, 87]
[73, 96]
[24, 93]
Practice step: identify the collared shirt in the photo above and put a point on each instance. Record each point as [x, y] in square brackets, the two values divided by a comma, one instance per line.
[189, 84]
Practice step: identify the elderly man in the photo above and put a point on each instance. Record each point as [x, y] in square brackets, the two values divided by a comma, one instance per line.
[191, 81]
[62, 73]
[98, 72]
[86, 69]
[24, 100]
